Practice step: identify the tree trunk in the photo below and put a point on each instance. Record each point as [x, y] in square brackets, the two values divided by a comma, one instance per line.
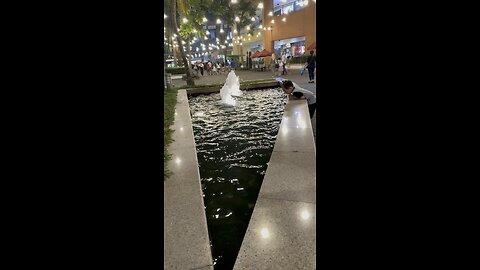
[189, 57]
[188, 71]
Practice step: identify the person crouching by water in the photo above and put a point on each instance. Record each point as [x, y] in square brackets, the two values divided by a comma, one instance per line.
[296, 92]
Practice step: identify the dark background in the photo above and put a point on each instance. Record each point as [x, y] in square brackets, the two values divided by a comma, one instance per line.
[84, 137]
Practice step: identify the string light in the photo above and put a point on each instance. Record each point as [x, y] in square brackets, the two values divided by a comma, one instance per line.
[260, 6]
[284, 19]
[253, 19]
[272, 21]
[164, 16]
[185, 20]
[205, 19]
[219, 21]
[270, 13]
[237, 19]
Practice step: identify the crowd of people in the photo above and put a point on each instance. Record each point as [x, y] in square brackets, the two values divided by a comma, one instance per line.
[210, 68]
[279, 66]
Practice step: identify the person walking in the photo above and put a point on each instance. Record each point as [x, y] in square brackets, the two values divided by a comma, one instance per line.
[272, 64]
[284, 64]
[295, 91]
[311, 66]
[200, 66]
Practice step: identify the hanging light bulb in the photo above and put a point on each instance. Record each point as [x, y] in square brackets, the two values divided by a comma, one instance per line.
[252, 19]
[234, 1]
[207, 32]
[272, 21]
[205, 38]
[270, 13]
[284, 19]
[204, 19]
[248, 27]
[260, 6]
[164, 16]
[235, 31]
[260, 26]
[219, 21]
[185, 20]
[221, 30]
[237, 19]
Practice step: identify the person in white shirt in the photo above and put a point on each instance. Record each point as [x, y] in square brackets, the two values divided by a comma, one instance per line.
[295, 91]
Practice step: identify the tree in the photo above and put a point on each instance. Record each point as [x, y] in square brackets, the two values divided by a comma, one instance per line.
[228, 12]
[172, 6]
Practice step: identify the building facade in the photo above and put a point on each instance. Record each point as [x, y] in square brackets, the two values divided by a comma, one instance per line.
[289, 26]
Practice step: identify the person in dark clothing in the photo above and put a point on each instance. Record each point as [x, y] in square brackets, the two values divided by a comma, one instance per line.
[295, 91]
[201, 68]
[311, 66]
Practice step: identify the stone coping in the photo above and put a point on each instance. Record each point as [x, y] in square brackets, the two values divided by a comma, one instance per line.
[281, 233]
[186, 240]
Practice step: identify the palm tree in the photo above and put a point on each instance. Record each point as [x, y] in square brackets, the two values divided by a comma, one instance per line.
[173, 14]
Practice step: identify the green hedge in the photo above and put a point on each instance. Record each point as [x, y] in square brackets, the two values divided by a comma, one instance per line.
[175, 70]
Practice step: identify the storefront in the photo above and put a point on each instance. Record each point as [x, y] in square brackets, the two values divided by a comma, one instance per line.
[293, 47]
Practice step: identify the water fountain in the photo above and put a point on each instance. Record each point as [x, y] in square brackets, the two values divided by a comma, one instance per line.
[234, 141]
[230, 89]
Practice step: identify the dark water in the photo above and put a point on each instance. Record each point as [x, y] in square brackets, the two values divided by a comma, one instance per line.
[234, 145]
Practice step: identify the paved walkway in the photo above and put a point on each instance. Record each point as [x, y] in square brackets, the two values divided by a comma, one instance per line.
[186, 244]
[245, 75]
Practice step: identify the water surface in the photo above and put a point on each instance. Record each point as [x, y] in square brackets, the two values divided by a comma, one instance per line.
[234, 145]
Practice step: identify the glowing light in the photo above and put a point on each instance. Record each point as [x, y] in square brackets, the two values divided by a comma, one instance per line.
[234, 1]
[185, 20]
[305, 215]
[265, 233]
[284, 19]
[164, 16]
[260, 26]
[272, 21]
[221, 31]
[204, 19]
[237, 19]
[235, 31]
[207, 32]
[219, 21]
[270, 13]
[253, 19]
[260, 6]
[248, 27]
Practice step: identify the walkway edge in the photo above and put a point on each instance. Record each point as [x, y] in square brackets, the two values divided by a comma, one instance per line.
[187, 243]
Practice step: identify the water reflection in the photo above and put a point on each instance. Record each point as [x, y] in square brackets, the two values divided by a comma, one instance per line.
[233, 147]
